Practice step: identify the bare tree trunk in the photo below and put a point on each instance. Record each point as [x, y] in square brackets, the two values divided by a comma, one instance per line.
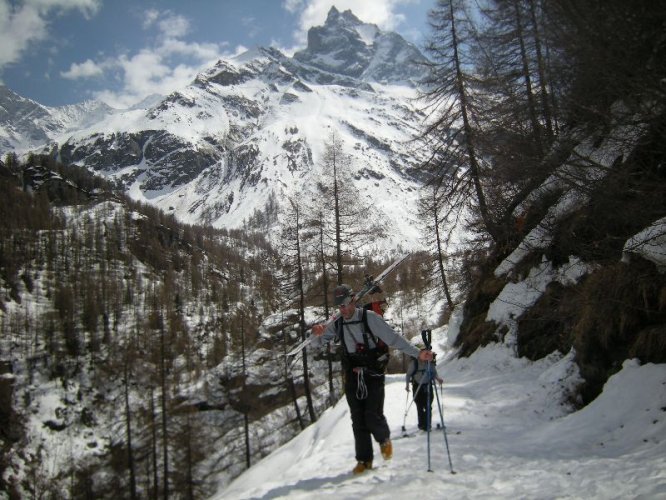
[552, 99]
[295, 284]
[338, 223]
[324, 278]
[153, 428]
[545, 102]
[189, 459]
[531, 105]
[440, 252]
[301, 312]
[128, 428]
[290, 384]
[246, 420]
[165, 434]
[475, 170]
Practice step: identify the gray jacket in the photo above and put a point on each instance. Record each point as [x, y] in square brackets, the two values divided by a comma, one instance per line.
[353, 334]
[417, 372]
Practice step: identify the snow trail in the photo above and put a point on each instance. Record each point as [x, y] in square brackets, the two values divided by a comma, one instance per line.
[510, 432]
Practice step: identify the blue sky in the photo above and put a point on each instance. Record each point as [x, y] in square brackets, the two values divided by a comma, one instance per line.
[65, 51]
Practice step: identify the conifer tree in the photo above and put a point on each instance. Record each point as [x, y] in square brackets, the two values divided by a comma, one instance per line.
[289, 379]
[451, 98]
[348, 224]
[131, 466]
[294, 258]
[431, 214]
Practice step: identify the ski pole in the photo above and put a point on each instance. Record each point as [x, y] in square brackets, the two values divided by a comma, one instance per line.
[428, 412]
[404, 420]
[441, 417]
[411, 402]
[426, 334]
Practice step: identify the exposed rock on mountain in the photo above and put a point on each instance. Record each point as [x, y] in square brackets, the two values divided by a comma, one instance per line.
[347, 46]
[25, 124]
[255, 126]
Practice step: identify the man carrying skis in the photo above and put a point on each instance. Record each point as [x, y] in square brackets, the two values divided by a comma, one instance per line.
[417, 374]
[362, 333]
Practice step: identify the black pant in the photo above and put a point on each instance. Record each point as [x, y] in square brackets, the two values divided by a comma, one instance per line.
[367, 413]
[421, 400]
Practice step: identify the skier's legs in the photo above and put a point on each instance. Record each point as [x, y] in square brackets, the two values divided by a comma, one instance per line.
[362, 437]
[421, 401]
[375, 420]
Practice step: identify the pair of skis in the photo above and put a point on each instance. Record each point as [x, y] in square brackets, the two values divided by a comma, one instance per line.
[371, 285]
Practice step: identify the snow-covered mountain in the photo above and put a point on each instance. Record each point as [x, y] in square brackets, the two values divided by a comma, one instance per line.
[346, 46]
[26, 124]
[255, 127]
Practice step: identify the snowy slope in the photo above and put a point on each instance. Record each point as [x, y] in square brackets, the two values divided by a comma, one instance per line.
[249, 129]
[253, 128]
[511, 435]
[26, 124]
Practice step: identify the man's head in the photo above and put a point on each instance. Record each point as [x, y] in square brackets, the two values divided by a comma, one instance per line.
[342, 295]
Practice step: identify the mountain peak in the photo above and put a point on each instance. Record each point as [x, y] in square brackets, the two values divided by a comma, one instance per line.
[345, 45]
[334, 17]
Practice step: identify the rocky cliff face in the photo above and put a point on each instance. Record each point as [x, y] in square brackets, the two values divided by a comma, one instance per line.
[347, 46]
[19, 120]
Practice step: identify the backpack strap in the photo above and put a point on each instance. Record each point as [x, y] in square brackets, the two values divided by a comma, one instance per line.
[340, 330]
[415, 364]
[366, 329]
[375, 358]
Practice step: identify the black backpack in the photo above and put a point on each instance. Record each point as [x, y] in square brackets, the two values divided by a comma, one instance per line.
[374, 359]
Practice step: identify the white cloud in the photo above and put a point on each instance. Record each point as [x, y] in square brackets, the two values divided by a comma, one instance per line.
[150, 17]
[200, 51]
[173, 26]
[169, 63]
[86, 69]
[87, 7]
[170, 25]
[292, 5]
[25, 23]
[18, 28]
[313, 12]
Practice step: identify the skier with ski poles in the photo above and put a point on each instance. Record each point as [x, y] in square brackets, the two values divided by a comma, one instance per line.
[430, 387]
[417, 374]
[365, 337]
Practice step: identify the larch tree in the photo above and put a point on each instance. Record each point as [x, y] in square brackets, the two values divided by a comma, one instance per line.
[293, 251]
[315, 236]
[347, 224]
[453, 130]
[516, 116]
[431, 206]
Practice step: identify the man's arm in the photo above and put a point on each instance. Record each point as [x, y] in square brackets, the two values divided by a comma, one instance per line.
[434, 374]
[323, 333]
[381, 329]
